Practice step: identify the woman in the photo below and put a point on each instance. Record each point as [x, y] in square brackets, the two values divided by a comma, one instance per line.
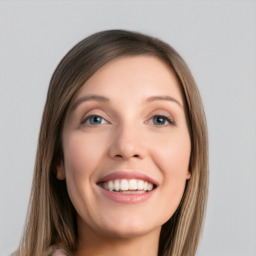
[122, 159]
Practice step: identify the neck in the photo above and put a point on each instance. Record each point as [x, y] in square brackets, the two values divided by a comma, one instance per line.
[97, 244]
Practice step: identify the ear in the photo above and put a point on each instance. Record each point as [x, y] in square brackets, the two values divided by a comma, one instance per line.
[188, 175]
[60, 170]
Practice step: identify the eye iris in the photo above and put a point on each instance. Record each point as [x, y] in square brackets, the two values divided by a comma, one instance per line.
[159, 120]
[95, 120]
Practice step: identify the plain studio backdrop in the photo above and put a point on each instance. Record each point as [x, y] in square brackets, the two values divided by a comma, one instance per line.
[218, 41]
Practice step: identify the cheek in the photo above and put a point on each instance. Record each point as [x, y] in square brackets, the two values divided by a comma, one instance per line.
[81, 158]
[81, 155]
[174, 156]
[173, 162]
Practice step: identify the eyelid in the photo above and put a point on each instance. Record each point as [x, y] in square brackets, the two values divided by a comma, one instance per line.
[166, 113]
[94, 112]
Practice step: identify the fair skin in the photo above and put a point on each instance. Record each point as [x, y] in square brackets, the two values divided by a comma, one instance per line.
[126, 128]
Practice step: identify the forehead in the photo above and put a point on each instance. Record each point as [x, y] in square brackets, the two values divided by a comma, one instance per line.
[142, 75]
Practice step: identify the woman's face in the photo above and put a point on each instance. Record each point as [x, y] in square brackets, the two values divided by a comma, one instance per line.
[126, 148]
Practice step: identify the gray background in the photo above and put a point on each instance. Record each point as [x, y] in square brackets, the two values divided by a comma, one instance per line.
[218, 41]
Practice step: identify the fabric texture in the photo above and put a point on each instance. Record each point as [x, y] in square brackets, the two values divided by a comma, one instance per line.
[59, 252]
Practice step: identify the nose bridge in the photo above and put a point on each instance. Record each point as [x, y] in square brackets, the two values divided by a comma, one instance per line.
[127, 142]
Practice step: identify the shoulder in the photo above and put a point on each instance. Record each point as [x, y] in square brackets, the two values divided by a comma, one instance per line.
[59, 252]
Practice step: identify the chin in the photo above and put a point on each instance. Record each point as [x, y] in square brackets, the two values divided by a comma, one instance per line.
[129, 226]
[129, 231]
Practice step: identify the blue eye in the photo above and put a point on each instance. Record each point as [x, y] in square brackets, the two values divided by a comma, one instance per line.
[94, 120]
[161, 120]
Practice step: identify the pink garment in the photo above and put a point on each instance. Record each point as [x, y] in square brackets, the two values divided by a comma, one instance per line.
[59, 252]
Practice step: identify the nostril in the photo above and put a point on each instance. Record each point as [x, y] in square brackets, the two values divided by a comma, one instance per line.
[118, 156]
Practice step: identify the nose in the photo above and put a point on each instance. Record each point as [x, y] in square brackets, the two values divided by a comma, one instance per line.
[127, 143]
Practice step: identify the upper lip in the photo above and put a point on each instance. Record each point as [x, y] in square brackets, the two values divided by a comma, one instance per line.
[127, 175]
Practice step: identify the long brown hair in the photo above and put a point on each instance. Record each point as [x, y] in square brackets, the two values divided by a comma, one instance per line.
[51, 217]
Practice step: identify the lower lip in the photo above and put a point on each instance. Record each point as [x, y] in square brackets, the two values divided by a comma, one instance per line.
[127, 198]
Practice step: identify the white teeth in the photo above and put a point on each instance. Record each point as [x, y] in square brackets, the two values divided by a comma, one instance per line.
[128, 185]
[133, 185]
[116, 185]
[124, 185]
[110, 185]
[140, 185]
[150, 186]
[145, 186]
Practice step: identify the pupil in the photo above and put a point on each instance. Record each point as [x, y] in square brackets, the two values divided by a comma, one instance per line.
[159, 120]
[95, 120]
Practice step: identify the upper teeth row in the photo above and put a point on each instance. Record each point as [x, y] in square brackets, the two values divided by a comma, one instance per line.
[125, 185]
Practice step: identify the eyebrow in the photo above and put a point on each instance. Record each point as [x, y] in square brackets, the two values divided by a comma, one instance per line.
[88, 98]
[167, 98]
[99, 98]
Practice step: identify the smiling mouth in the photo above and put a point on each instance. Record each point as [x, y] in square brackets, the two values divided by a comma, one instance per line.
[128, 186]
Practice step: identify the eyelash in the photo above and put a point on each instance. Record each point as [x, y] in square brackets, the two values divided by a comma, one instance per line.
[92, 116]
[163, 117]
